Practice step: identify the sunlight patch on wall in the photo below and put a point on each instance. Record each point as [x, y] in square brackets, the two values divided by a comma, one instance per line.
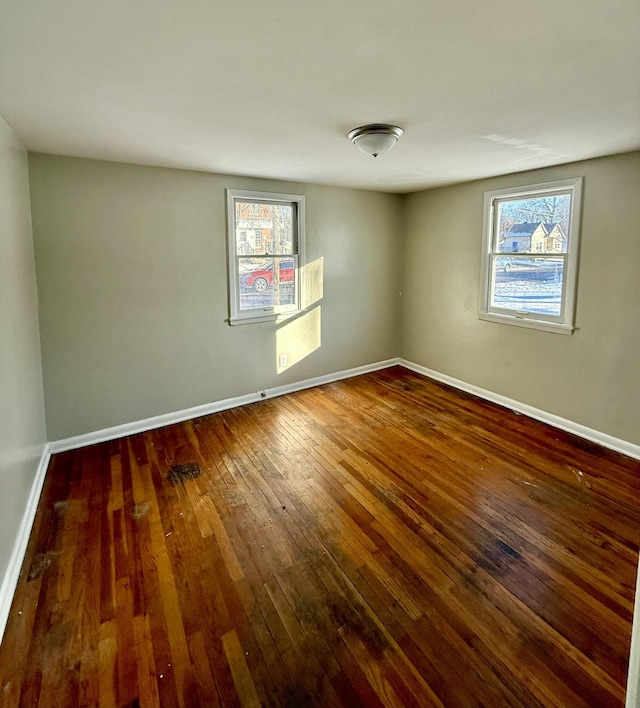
[312, 282]
[298, 338]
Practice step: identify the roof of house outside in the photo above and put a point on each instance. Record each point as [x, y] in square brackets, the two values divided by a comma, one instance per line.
[528, 227]
[523, 229]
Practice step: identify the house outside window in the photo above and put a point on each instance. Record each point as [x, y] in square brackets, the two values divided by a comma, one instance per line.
[530, 255]
[266, 253]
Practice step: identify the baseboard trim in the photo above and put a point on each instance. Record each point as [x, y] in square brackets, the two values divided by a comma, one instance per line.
[12, 574]
[141, 426]
[623, 446]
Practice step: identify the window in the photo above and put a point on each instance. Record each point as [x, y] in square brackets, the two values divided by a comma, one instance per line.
[530, 255]
[264, 269]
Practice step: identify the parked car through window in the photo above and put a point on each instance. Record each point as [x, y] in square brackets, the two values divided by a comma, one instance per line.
[263, 277]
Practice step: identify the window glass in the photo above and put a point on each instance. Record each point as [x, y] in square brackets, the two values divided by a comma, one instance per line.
[265, 243]
[530, 255]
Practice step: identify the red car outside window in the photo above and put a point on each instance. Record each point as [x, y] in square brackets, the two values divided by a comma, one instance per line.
[262, 278]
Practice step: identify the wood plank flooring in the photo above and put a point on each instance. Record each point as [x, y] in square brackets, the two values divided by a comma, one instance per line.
[381, 541]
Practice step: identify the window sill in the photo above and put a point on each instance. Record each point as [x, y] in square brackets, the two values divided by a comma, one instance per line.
[267, 317]
[554, 327]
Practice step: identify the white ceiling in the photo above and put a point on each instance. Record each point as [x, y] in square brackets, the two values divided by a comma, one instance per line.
[481, 87]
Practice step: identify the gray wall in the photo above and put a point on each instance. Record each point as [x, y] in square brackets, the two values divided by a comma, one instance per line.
[591, 377]
[132, 276]
[133, 286]
[22, 424]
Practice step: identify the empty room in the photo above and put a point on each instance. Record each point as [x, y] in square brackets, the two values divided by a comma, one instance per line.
[320, 354]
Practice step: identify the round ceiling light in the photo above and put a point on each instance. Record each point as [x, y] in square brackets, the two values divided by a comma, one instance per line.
[376, 138]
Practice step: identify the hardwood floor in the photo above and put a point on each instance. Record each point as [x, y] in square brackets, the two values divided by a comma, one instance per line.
[381, 541]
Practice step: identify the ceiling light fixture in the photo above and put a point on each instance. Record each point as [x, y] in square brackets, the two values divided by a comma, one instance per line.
[376, 138]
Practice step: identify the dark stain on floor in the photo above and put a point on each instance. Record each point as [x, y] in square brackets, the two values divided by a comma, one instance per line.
[298, 696]
[139, 510]
[179, 474]
[39, 564]
[354, 618]
[499, 558]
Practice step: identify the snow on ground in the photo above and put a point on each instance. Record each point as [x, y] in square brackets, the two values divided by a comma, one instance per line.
[533, 290]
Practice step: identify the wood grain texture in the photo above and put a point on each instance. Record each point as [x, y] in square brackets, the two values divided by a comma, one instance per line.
[384, 541]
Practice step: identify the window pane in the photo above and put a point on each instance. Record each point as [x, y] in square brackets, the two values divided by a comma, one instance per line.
[534, 225]
[264, 228]
[266, 282]
[527, 284]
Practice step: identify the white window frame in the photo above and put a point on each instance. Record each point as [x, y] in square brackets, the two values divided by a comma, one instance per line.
[268, 314]
[565, 322]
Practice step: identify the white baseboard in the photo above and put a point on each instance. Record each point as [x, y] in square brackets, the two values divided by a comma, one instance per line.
[623, 446]
[140, 426]
[12, 574]
[158, 421]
